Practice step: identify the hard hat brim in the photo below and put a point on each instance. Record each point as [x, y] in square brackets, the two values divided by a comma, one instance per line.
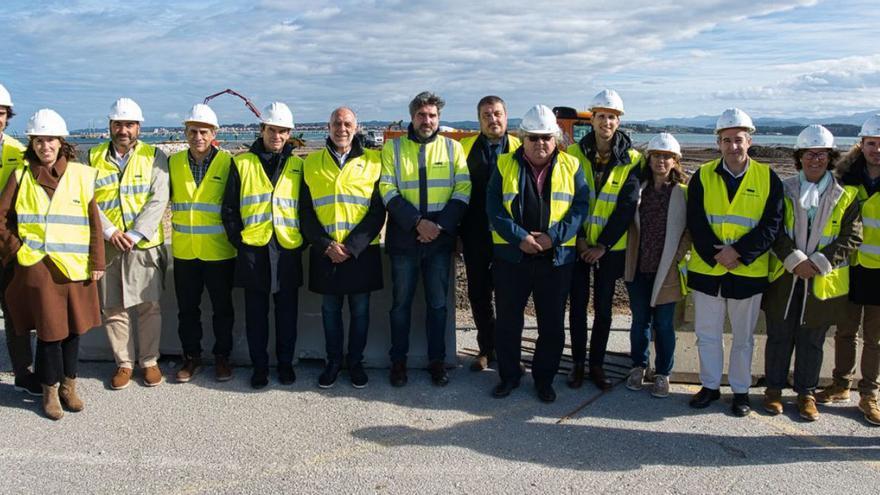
[750, 130]
[616, 111]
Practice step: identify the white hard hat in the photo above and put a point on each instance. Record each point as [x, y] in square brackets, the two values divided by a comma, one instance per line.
[126, 109]
[664, 142]
[871, 127]
[814, 136]
[734, 118]
[46, 122]
[539, 120]
[607, 99]
[5, 98]
[202, 114]
[278, 114]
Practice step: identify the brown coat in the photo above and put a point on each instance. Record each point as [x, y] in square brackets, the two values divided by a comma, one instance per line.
[677, 242]
[40, 297]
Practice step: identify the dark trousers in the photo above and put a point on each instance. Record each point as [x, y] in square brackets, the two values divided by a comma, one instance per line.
[56, 360]
[785, 337]
[478, 267]
[405, 269]
[256, 310]
[548, 285]
[191, 277]
[605, 274]
[358, 324]
[19, 346]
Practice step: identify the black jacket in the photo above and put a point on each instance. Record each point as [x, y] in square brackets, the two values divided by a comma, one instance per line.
[627, 198]
[400, 233]
[750, 246]
[474, 227]
[268, 268]
[363, 271]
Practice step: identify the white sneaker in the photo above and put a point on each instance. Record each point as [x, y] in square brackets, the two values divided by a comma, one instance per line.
[635, 378]
[661, 386]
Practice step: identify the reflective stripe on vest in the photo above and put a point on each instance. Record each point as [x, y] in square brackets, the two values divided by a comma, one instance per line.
[732, 220]
[266, 209]
[868, 254]
[196, 228]
[603, 203]
[56, 227]
[341, 197]
[561, 194]
[835, 283]
[122, 199]
[11, 159]
[438, 158]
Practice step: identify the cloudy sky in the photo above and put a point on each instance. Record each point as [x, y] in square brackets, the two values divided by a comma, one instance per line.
[772, 58]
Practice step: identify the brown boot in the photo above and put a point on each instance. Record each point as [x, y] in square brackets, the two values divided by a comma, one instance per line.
[773, 401]
[834, 393]
[190, 367]
[68, 395]
[576, 375]
[152, 376]
[121, 378]
[222, 369]
[868, 405]
[807, 407]
[51, 403]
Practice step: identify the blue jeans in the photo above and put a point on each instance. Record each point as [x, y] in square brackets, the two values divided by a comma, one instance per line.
[643, 318]
[358, 323]
[434, 267]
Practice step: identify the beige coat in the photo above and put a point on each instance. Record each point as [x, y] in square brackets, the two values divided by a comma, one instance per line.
[139, 275]
[667, 288]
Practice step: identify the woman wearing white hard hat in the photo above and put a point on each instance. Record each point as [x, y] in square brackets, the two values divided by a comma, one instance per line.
[536, 201]
[611, 167]
[860, 168]
[809, 285]
[656, 244]
[50, 230]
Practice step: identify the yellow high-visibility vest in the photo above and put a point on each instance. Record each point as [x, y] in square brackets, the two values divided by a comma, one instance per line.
[11, 158]
[341, 197]
[604, 202]
[196, 228]
[56, 227]
[467, 144]
[868, 254]
[122, 199]
[731, 220]
[266, 209]
[445, 167]
[561, 193]
[836, 283]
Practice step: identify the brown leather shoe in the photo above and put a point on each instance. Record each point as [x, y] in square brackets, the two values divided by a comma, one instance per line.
[807, 407]
[576, 375]
[834, 393]
[69, 398]
[597, 374]
[51, 403]
[191, 366]
[480, 363]
[867, 404]
[773, 401]
[152, 376]
[222, 369]
[121, 378]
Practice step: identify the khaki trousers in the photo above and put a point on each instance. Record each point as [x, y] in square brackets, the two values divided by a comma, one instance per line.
[846, 341]
[122, 335]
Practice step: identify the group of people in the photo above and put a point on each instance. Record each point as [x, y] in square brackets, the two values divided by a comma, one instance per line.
[82, 244]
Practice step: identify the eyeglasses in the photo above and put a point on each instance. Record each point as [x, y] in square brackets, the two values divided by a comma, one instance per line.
[541, 137]
[815, 155]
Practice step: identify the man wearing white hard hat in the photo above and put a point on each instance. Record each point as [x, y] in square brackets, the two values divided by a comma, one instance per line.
[426, 188]
[735, 209]
[203, 256]
[132, 194]
[261, 217]
[50, 228]
[536, 201]
[860, 168]
[19, 346]
[809, 271]
[656, 244]
[611, 167]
